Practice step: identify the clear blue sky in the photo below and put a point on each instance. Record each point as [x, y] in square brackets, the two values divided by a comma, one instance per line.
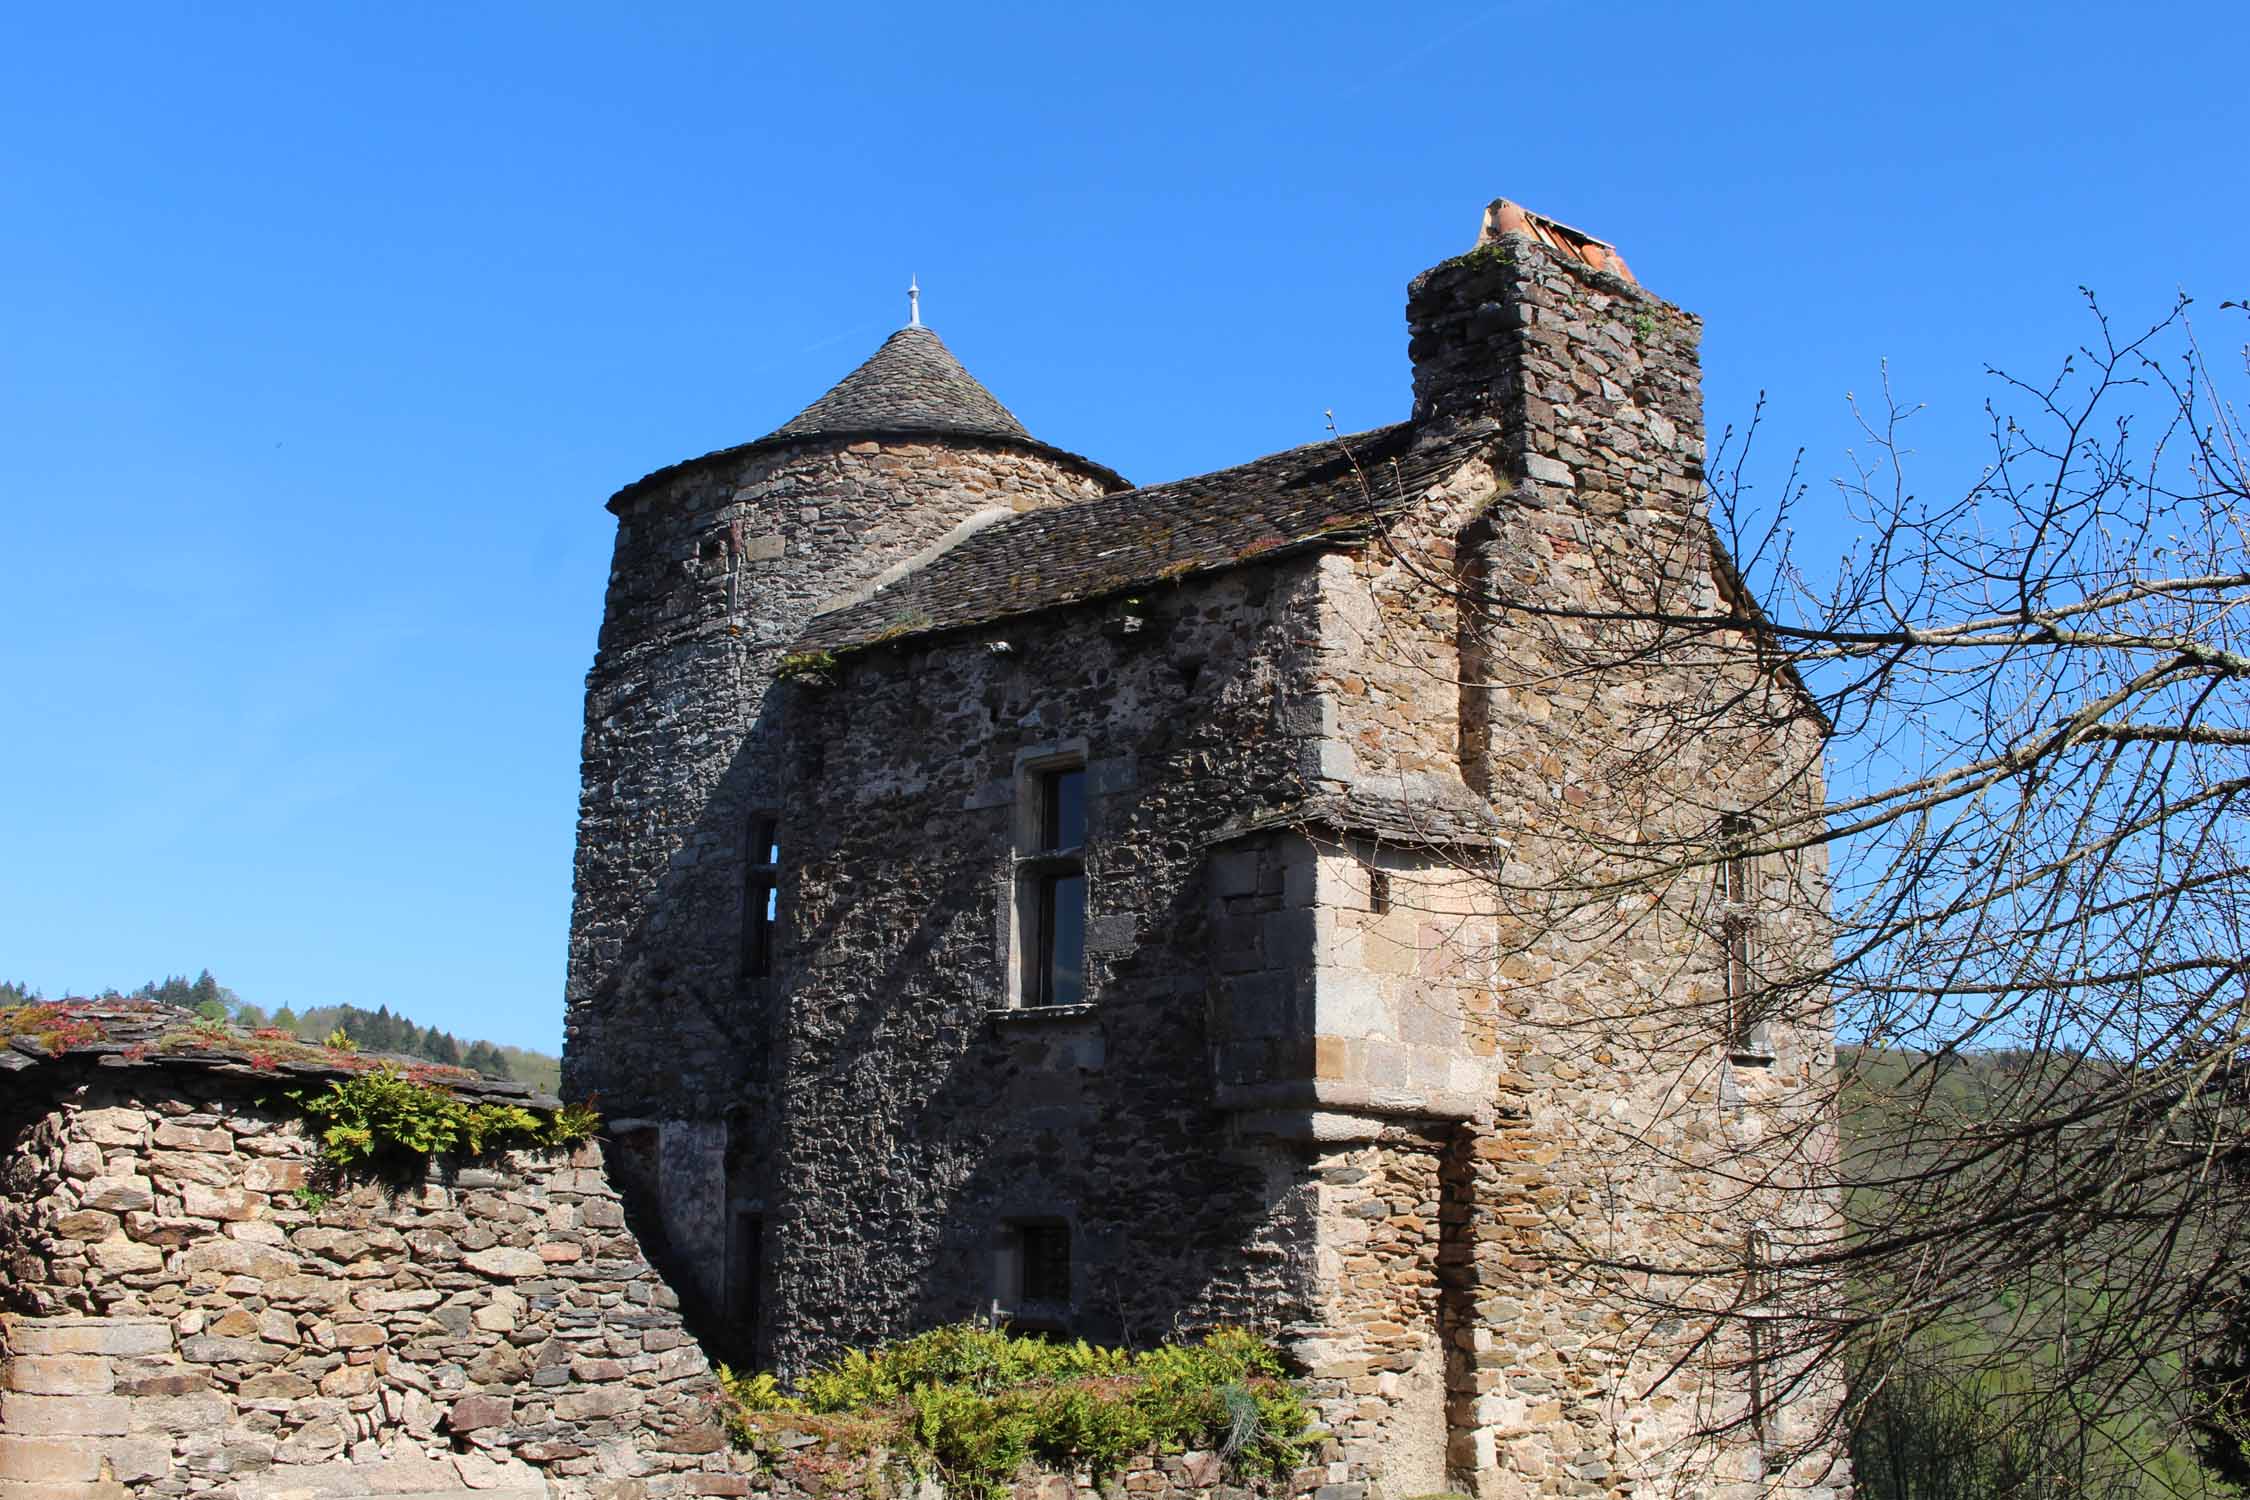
[325, 331]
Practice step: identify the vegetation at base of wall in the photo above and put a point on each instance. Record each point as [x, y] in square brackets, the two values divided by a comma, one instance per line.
[384, 1117]
[976, 1404]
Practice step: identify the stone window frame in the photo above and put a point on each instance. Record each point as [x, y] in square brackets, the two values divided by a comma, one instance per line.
[1749, 1039]
[1030, 865]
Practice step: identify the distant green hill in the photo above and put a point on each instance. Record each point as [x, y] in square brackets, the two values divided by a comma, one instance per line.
[1960, 1421]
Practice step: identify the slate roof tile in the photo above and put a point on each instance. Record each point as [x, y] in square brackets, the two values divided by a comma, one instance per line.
[912, 384]
[1425, 809]
[1314, 495]
[911, 387]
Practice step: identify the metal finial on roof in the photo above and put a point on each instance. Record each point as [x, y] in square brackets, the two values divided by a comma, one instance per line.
[913, 304]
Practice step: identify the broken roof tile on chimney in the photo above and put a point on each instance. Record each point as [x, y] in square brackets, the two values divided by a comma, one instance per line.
[1504, 217]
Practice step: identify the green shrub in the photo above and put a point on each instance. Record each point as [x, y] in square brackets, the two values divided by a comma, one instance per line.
[976, 1403]
[383, 1116]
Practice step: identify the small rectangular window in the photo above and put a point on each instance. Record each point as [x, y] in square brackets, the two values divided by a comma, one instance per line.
[1046, 1263]
[761, 894]
[1051, 891]
[1378, 891]
[1034, 1272]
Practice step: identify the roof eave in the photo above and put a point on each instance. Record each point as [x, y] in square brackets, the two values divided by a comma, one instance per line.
[657, 478]
[1286, 551]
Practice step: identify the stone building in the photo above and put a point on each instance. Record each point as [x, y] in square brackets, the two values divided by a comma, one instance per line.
[999, 887]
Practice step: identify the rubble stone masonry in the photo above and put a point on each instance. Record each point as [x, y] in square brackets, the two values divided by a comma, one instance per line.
[183, 1314]
[186, 1315]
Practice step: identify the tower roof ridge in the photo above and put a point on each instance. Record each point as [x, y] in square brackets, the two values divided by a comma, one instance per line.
[912, 383]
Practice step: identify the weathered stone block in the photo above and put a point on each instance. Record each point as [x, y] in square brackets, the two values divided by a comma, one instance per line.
[61, 1416]
[59, 1375]
[348, 1380]
[99, 1489]
[191, 1138]
[113, 1126]
[276, 1390]
[86, 1224]
[178, 1414]
[580, 1406]
[477, 1412]
[506, 1262]
[119, 1194]
[227, 1204]
[235, 1258]
[214, 1349]
[312, 1443]
[89, 1335]
[48, 1460]
[137, 1460]
[275, 1176]
[123, 1256]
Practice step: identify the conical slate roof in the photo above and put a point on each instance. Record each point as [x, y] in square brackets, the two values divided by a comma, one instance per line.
[912, 384]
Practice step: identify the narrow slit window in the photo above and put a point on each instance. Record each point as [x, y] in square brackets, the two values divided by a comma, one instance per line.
[1051, 879]
[761, 895]
[1757, 1283]
[1378, 891]
[745, 1277]
[1747, 1038]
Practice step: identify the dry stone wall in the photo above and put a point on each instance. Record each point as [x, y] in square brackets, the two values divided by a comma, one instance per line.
[187, 1315]
[1376, 1362]
[189, 1307]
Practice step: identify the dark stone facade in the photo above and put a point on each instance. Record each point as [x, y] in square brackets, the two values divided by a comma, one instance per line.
[1321, 1081]
[719, 564]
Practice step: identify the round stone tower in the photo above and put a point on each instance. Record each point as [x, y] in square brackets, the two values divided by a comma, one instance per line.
[679, 928]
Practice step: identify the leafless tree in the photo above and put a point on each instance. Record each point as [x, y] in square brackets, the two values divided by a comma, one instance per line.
[2033, 692]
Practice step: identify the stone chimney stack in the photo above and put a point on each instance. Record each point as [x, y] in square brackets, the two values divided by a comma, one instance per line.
[1593, 384]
